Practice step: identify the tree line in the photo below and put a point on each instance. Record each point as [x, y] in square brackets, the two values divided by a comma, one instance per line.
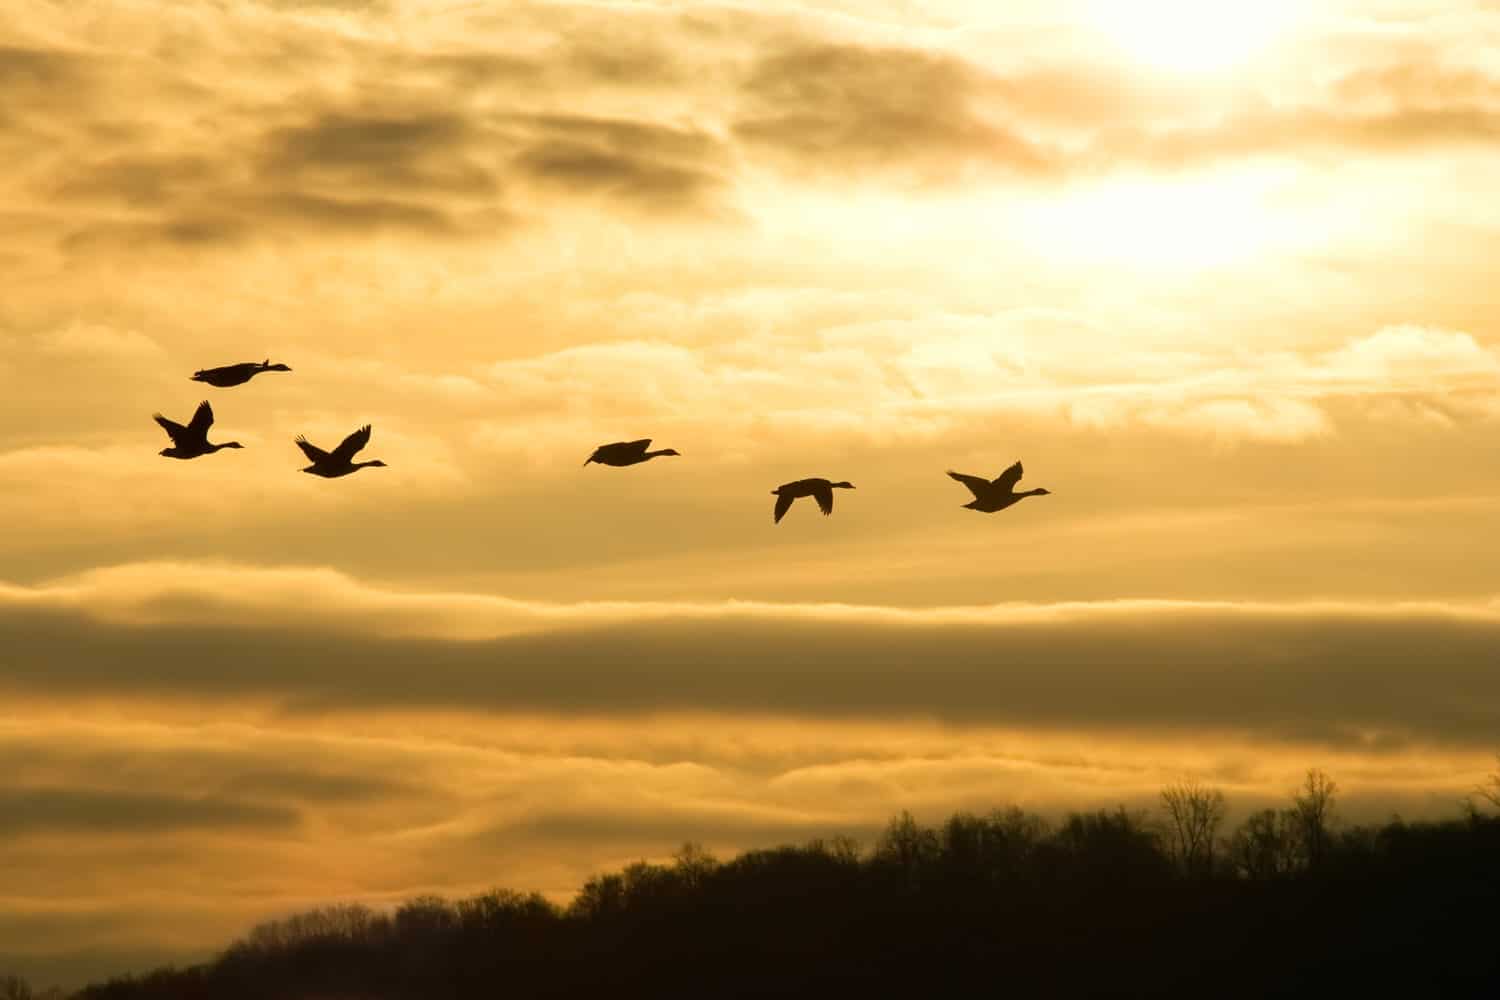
[1110, 902]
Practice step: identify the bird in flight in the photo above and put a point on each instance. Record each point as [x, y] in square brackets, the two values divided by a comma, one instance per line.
[820, 490]
[623, 453]
[236, 374]
[192, 441]
[340, 461]
[996, 494]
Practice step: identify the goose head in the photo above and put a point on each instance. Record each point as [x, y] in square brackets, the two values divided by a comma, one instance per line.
[266, 366]
[668, 451]
[373, 464]
[227, 444]
[841, 486]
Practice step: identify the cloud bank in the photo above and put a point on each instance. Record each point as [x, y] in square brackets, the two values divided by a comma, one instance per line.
[315, 640]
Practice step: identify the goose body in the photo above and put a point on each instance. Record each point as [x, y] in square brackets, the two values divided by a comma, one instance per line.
[230, 375]
[820, 490]
[191, 441]
[623, 453]
[340, 461]
[991, 495]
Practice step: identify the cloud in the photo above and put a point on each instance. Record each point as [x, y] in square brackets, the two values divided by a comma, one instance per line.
[1296, 131]
[653, 825]
[456, 139]
[70, 810]
[363, 151]
[182, 777]
[949, 374]
[84, 342]
[1406, 354]
[138, 179]
[325, 129]
[1315, 671]
[642, 164]
[329, 5]
[828, 108]
[942, 116]
[433, 173]
[36, 74]
[1428, 84]
[1224, 419]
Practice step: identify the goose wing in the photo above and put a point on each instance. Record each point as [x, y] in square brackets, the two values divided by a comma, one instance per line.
[314, 454]
[824, 496]
[174, 430]
[1008, 479]
[978, 487]
[203, 419]
[351, 445]
[783, 504]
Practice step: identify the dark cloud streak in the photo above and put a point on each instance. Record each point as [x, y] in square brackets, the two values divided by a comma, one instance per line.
[829, 107]
[75, 810]
[1328, 676]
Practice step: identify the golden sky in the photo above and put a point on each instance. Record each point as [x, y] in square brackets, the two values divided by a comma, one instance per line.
[1222, 277]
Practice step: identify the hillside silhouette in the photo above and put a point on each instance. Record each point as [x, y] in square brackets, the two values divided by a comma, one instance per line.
[1009, 904]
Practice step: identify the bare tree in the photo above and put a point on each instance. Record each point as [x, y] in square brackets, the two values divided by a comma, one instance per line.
[694, 864]
[1490, 790]
[1194, 814]
[907, 846]
[15, 988]
[841, 848]
[1265, 845]
[1312, 808]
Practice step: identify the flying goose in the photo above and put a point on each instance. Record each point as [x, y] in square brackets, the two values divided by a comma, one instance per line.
[997, 495]
[340, 461]
[236, 374]
[192, 440]
[623, 453]
[820, 490]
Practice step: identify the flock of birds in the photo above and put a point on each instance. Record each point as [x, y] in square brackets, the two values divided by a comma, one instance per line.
[190, 440]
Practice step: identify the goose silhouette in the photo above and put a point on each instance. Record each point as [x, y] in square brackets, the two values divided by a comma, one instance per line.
[820, 490]
[230, 375]
[623, 453]
[192, 441]
[997, 494]
[340, 461]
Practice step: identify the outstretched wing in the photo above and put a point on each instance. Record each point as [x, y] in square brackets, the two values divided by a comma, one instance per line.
[348, 447]
[203, 419]
[978, 487]
[1008, 479]
[174, 430]
[824, 496]
[313, 452]
[783, 504]
[640, 445]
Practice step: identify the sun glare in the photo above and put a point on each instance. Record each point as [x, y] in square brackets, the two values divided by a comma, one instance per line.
[1193, 36]
[1182, 225]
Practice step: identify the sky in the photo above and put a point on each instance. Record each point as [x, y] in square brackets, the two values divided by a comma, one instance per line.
[1222, 278]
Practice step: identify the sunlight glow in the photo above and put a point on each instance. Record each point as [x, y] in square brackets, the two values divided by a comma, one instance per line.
[1180, 225]
[1193, 36]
